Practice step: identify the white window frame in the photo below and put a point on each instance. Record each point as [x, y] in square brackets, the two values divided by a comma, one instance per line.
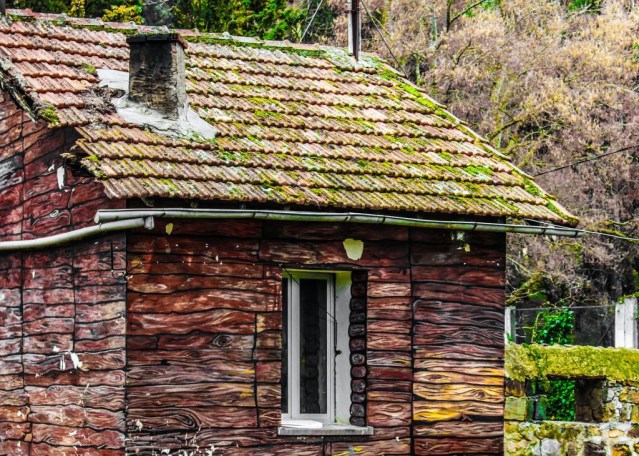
[336, 421]
[294, 347]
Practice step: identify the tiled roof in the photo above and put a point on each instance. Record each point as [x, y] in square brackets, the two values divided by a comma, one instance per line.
[303, 125]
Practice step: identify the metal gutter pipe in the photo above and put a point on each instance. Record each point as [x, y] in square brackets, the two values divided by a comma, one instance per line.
[108, 215]
[63, 238]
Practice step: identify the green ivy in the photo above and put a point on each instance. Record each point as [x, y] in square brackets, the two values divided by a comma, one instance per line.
[556, 326]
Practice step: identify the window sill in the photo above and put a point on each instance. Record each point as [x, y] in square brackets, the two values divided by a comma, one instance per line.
[326, 429]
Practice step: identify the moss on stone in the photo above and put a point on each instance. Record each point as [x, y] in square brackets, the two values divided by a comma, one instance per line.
[262, 114]
[539, 362]
[50, 114]
[446, 155]
[388, 74]
[19, 18]
[420, 97]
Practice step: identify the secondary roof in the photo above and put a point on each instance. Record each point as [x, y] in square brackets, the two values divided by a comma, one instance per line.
[296, 124]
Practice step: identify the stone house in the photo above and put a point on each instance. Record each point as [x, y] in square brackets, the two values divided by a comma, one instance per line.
[237, 246]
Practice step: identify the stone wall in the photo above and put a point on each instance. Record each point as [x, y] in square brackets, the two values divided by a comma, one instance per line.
[606, 410]
[546, 438]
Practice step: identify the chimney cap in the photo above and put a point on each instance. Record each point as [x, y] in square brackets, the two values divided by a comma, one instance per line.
[168, 37]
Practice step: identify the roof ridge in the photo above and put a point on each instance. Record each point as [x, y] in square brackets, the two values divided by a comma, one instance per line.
[29, 14]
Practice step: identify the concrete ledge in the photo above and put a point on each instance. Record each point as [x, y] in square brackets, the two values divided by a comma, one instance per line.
[538, 362]
[327, 429]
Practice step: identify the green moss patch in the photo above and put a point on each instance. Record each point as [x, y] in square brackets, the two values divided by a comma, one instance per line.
[88, 68]
[539, 362]
[532, 188]
[50, 114]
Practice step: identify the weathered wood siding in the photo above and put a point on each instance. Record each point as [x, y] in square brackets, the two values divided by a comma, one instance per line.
[458, 343]
[55, 302]
[204, 337]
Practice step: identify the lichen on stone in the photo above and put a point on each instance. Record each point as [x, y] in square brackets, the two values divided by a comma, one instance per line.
[539, 362]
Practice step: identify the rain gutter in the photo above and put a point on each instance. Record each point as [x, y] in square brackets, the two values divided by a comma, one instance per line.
[63, 238]
[109, 220]
[110, 215]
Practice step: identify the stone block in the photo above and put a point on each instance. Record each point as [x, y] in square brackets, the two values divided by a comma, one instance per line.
[572, 449]
[517, 408]
[593, 430]
[621, 450]
[615, 434]
[634, 414]
[515, 388]
[610, 412]
[629, 394]
[550, 447]
[541, 406]
[594, 449]
[624, 412]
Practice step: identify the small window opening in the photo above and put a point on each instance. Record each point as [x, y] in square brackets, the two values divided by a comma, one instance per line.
[315, 354]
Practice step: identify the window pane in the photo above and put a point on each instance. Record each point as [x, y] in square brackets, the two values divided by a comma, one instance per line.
[284, 345]
[313, 346]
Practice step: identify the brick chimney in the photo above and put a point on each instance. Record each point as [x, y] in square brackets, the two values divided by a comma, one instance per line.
[156, 72]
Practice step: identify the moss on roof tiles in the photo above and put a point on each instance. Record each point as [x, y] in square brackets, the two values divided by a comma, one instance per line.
[401, 150]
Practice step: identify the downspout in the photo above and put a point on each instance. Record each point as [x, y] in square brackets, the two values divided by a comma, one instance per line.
[63, 238]
[109, 215]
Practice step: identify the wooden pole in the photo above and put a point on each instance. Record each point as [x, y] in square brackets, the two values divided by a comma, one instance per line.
[626, 324]
[510, 325]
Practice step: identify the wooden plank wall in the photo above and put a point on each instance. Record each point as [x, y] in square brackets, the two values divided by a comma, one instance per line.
[56, 302]
[204, 337]
[458, 343]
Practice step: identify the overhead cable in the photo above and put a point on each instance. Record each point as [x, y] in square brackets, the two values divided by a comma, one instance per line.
[308, 26]
[586, 160]
[379, 31]
[591, 232]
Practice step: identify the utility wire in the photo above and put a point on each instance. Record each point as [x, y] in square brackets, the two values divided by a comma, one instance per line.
[598, 233]
[399, 65]
[615, 236]
[586, 160]
[319, 5]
